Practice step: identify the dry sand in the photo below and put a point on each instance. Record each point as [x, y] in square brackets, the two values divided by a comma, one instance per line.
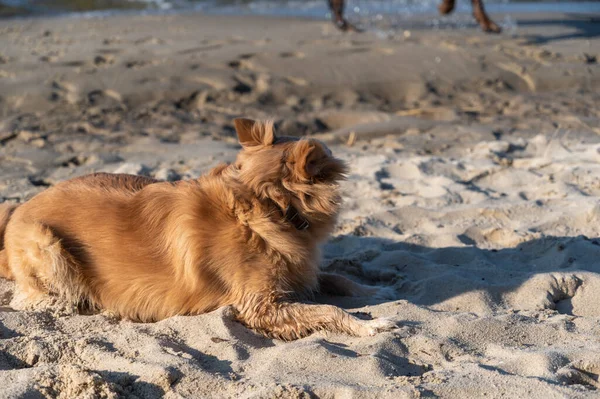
[472, 199]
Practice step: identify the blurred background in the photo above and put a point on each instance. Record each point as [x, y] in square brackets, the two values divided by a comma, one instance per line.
[365, 10]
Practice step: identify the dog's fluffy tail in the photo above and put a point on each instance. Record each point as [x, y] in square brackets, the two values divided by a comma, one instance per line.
[6, 211]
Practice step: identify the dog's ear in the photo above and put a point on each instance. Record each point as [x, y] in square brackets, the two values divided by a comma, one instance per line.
[254, 133]
[310, 159]
[312, 166]
[306, 159]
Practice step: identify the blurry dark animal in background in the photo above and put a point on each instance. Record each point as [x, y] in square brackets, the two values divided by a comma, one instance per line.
[447, 6]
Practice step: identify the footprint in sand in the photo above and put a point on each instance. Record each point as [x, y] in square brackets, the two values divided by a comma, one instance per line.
[63, 91]
[215, 82]
[555, 291]
[200, 49]
[349, 51]
[49, 58]
[105, 99]
[111, 40]
[74, 63]
[149, 40]
[102, 60]
[243, 86]
[292, 54]
[137, 64]
[244, 62]
[52, 56]
[296, 81]
[241, 65]
[110, 51]
[585, 373]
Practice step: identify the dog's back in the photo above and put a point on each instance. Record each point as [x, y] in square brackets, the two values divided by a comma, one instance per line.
[128, 243]
[65, 226]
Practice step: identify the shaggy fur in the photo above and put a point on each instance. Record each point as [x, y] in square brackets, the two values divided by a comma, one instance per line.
[147, 250]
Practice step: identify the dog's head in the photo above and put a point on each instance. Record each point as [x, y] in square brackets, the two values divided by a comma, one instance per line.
[290, 171]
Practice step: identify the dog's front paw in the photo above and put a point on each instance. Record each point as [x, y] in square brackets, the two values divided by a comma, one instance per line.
[373, 327]
[39, 301]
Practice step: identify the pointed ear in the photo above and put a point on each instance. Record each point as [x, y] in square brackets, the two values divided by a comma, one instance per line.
[312, 166]
[254, 133]
[305, 159]
[243, 128]
[311, 159]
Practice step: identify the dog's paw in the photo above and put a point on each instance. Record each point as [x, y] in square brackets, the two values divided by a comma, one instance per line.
[41, 302]
[373, 327]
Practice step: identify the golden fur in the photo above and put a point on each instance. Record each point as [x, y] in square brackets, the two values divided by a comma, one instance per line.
[147, 250]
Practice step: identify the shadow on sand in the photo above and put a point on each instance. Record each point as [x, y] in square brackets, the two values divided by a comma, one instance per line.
[579, 26]
[554, 267]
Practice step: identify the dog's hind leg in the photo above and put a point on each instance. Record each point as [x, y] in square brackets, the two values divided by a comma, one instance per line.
[291, 320]
[45, 274]
[487, 25]
[337, 15]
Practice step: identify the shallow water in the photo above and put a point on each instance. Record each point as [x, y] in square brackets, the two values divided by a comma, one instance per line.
[299, 8]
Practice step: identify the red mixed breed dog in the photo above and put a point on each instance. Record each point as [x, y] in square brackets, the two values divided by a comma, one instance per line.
[245, 234]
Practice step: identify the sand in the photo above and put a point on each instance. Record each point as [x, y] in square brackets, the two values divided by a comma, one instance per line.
[472, 199]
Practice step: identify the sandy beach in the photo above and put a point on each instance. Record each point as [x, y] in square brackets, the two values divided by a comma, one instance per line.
[472, 198]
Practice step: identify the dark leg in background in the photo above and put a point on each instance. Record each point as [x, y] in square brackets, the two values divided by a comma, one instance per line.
[337, 15]
[446, 7]
[484, 21]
